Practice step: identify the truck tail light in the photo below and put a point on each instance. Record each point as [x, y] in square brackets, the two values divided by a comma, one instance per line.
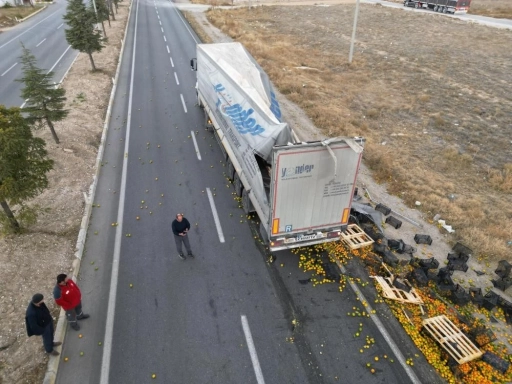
[345, 216]
[332, 234]
[277, 242]
[275, 226]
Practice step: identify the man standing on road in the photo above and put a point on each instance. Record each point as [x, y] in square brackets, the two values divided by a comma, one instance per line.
[67, 295]
[39, 322]
[180, 228]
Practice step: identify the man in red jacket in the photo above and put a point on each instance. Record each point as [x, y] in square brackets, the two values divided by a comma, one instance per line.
[68, 296]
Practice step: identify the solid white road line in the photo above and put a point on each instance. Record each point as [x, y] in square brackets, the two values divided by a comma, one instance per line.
[25, 102]
[183, 102]
[109, 327]
[176, 77]
[41, 42]
[11, 67]
[172, 62]
[168, 51]
[60, 26]
[382, 330]
[252, 351]
[195, 145]
[21, 34]
[184, 23]
[215, 215]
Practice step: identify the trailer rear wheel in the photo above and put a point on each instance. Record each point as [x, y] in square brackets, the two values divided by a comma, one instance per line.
[436, 8]
[247, 203]
[445, 10]
[263, 233]
[237, 183]
[230, 170]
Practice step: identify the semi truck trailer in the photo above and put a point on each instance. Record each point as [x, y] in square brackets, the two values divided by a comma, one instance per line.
[301, 191]
[444, 6]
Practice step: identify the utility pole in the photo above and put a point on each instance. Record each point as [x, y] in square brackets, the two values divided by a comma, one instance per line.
[352, 41]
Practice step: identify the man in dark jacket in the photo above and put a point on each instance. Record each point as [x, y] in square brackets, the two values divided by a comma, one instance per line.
[39, 322]
[68, 296]
[180, 228]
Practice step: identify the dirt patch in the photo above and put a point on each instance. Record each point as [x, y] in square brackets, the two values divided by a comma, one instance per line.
[30, 262]
[9, 15]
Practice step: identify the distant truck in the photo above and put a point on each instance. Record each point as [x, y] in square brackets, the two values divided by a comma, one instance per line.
[444, 6]
[301, 191]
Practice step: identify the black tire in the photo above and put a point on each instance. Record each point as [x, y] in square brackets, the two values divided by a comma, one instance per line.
[247, 203]
[436, 8]
[230, 170]
[263, 234]
[445, 10]
[416, 5]
[237, 184]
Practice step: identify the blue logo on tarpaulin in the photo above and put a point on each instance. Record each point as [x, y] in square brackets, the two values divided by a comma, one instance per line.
[287, 228]
[241, 118]
[274, 106]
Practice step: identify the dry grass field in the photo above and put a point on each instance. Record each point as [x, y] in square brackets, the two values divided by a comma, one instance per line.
[437, 113]
[492, 8]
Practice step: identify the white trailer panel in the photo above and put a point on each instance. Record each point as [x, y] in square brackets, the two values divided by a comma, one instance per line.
[313, 185]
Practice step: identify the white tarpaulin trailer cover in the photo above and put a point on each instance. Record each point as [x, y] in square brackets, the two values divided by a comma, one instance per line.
[231, 79]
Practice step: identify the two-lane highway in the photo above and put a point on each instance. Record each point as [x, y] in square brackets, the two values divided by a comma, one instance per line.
[44, 36]
[224, 316]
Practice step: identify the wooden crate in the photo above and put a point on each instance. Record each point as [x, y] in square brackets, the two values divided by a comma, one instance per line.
[389, 291]
[355, 238]
[452, 339]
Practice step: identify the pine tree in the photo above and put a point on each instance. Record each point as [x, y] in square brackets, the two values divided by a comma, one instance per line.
[81, 34]
[24, 162]
[45, 102]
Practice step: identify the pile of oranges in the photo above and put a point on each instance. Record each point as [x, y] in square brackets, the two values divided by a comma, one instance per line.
[473, 372]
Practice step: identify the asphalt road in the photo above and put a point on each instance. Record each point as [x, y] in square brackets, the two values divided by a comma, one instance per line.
[226, 315]
[43, 35]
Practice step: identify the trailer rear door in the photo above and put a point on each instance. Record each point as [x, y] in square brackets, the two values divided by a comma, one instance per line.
[312, 188]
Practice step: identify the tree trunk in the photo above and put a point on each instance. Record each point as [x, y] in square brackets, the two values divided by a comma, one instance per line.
[92, 61]
[14, 223]
[52, 129]
[103, 26]
[111, 8]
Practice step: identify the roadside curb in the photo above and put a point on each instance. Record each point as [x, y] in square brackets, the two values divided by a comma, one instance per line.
[29, 16]
[50, 376]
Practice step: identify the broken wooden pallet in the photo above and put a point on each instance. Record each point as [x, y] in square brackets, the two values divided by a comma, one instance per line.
[451, 338]
[389, 291]
[354, 237]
